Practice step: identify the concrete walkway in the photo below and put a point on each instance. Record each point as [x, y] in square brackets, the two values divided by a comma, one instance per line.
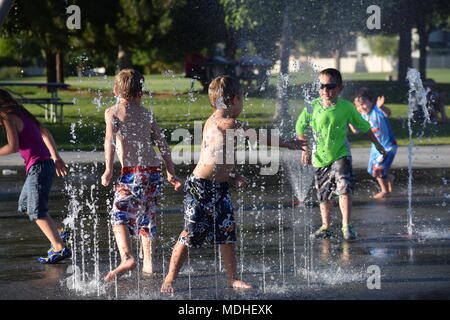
[423, 157]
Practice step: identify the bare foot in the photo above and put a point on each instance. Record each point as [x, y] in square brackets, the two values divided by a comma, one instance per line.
[126, 265]
[149, 270]
[381, 195]
[167, 287]
[238, 284]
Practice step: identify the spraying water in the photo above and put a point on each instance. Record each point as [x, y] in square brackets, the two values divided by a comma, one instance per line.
[417, 102]
[301, 176]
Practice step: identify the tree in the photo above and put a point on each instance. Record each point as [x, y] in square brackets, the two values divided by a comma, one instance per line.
[262, 19]
[428, 16]
[401, 16]
[325, 26]
[137, 24]
[43, 21]
[197, 26]
[383, 46]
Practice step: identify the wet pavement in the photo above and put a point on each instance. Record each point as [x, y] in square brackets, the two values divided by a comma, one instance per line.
[274, 250]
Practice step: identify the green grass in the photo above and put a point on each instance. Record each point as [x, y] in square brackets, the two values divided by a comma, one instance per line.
[176, 105]
[439, 75]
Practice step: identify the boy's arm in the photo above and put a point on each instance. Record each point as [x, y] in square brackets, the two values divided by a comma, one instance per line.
[364, 126]
[375, 141]
[61, 170]
[301, 125]
[380, 104]
[306, 154]
[11, 135]
[109, 149]
[352, 128]
[166, 155]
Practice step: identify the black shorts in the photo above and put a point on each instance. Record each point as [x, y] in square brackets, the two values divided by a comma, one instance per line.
[208, 213]
[335, 178]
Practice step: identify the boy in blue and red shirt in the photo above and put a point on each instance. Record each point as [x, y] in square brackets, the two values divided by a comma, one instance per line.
[378, 117]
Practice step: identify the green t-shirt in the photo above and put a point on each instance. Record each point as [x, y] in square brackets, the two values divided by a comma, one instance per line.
[330, 127]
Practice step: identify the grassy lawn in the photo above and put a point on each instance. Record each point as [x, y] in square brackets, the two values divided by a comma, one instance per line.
[439, 75]
[177, 103]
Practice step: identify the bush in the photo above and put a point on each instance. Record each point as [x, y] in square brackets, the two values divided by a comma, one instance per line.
[10, 72]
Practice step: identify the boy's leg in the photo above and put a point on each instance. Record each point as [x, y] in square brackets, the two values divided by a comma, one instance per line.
[345, 204]
[176, 261]
[344, 187]
[384, 186]
[128, 262]
[390, 182]
[147, 248]
[229, 260]
[50, 230]
[325, 209]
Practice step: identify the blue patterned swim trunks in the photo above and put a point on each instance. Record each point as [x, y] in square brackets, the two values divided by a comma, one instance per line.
[208, 213]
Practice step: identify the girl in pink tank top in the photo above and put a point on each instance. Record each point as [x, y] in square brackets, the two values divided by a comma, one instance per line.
[25, 134]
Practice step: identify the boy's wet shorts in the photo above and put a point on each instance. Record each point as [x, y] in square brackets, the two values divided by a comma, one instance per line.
[381, 170]
[34, 196]
[336, 178]
[135, 200]
[208, 213]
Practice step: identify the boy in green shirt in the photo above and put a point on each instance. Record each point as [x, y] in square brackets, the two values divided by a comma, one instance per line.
[329, 120]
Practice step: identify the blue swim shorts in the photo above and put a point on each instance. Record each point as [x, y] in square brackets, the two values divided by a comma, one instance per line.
[381, 170]
[208, 213]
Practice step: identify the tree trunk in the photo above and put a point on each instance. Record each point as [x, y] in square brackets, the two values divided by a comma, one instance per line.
[282, 104]
[124, 59]
[337, 58]
[50, 58]
[423, 42]
[404, 47]
[59, 67]
[230, 45]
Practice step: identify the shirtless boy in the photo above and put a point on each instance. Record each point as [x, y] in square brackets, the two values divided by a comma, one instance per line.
[130, 130]
[208, 211]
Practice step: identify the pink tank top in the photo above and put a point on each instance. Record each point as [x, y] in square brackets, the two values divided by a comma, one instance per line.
[31, 145]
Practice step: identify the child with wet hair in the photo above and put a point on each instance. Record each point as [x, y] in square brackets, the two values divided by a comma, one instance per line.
[130, 131]
[208, 211]
[377, 114]
[26, 135]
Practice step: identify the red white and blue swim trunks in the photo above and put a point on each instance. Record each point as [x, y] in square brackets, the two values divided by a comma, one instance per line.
[135, 200]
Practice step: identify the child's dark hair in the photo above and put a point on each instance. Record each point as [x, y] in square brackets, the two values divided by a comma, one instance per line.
[222, 90]
[8, 104]
[363, 93]
[334, 73]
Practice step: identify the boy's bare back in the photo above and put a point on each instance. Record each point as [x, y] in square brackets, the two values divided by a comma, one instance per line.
[216, 157]
[134, 128]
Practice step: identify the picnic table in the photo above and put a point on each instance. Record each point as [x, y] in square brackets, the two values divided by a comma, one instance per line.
[53, 101]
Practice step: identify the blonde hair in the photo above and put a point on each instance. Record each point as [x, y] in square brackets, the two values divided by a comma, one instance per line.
[129, 83]
[222, 90]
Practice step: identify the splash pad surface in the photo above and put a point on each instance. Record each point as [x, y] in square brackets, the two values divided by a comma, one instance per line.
[274, 250]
